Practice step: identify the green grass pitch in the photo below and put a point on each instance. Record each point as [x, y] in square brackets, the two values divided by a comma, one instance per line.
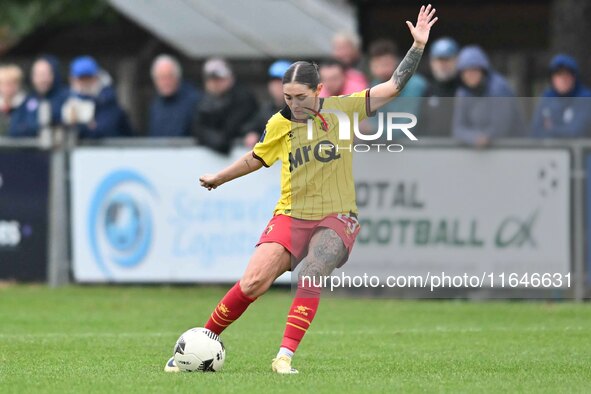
[117, 339]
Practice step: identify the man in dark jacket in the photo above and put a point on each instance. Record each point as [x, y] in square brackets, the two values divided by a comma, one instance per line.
[565, 108]
[255, 127]
[225, 108]
[173, 106]
[437, 106]
[486, 107]
[44, 104]
[92, 105]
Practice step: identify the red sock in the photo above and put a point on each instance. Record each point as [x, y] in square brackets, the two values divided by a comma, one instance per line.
[302, 312]
[229, 309]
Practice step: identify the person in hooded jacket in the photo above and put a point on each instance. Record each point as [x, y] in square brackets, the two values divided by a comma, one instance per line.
[486, 107]
[92, 105]
[43, 105]
[564, 111]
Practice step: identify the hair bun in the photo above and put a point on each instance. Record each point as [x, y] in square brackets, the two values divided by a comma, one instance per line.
[303, 72]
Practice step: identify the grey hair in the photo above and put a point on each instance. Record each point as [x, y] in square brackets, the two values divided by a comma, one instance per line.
[349, 36]
[169, 59]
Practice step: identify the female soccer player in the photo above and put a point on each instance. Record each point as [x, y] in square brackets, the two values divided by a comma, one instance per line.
[315, 221]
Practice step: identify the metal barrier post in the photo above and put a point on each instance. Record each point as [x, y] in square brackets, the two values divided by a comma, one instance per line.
[578, 212]
[58, 265]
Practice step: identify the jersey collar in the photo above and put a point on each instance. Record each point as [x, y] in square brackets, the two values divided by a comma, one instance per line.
[286, 112]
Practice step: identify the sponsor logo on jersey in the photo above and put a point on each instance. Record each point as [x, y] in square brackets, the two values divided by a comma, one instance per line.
[324, 152]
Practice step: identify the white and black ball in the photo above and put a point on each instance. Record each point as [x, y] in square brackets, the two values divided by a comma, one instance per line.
[199, 349]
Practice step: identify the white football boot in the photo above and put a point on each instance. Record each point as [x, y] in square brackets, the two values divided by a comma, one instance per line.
[282, 365]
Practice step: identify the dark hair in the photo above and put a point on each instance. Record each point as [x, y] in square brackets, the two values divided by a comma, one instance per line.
[383, 47]
[303, 72]
[333, 63]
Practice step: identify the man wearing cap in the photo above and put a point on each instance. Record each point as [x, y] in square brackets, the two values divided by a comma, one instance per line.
[274, 104]
[564, 111]
[437, 106]
[173, 106]
[92, 106]
[486, 107]
[226, 107]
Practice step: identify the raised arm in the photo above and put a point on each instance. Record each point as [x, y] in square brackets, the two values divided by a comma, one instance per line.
[245, 165]
[386, 91]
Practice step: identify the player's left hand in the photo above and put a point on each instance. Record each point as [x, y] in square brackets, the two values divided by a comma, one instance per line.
[425, 20]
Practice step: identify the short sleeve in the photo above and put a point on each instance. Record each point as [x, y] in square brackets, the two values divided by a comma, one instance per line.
[357, 102]
[268, 149]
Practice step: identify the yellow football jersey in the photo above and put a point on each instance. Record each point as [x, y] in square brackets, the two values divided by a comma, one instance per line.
[317, 172]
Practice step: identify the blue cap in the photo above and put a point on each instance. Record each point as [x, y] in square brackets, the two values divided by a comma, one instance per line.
[564, 61]
[278, 69]
[84, 66]
[445, 48]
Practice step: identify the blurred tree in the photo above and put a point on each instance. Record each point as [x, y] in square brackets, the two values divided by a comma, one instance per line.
[571, 31]
[20, 17]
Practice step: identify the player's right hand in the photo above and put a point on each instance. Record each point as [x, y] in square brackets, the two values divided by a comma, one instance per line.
[209, 181]
[425, 20]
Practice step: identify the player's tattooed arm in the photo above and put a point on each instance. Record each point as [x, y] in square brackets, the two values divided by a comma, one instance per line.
[325, 252]
[386, 91]
[407, 67]
[245, 165]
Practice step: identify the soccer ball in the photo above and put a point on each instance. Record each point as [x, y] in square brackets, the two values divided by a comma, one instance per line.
[199, 349]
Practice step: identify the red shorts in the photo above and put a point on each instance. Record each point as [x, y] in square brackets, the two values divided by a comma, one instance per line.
[295, 234]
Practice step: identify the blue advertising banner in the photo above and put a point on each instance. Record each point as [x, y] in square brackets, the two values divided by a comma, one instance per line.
[24, 188]
[142, 216]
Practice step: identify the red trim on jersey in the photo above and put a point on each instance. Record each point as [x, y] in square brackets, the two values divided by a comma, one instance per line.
[367, 104]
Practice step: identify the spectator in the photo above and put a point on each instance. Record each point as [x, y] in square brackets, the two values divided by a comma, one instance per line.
[346, 50]
[92, 105]
[43, 105]
[565, 108]
[383, 61]
[276, 102]
[486, 107]
[12, 97]
[172, 108]
[333, 77]
[224, 110]
[437, 106]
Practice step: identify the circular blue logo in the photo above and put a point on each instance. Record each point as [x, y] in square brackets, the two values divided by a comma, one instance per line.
[120, 220]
